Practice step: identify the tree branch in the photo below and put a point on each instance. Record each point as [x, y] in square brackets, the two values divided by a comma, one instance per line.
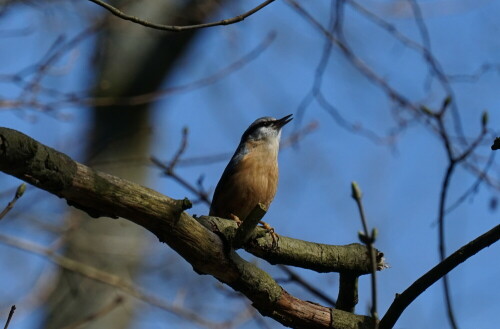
[19, 193]
[348, 292]
[109, 279]
[11, 313]
[101, 194]
[323, 258]
[437, 272]
[175, 28]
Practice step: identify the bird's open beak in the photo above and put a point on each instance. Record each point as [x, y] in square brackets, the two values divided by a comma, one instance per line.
[283, 121]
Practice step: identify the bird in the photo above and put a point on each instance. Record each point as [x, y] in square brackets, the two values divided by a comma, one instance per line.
[251, 176]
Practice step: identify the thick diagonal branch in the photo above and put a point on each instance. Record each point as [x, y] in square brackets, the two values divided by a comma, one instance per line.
[101, 194]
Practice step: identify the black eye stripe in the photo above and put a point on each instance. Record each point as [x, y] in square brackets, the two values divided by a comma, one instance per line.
[255, 127]
[264, 124]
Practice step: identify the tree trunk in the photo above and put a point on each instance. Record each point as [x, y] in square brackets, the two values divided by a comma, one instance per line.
[132, 60]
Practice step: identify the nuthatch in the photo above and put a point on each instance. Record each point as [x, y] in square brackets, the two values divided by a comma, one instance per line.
[251, 175]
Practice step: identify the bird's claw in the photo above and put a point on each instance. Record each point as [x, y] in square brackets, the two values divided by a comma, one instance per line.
[236, 219]
[271, 231]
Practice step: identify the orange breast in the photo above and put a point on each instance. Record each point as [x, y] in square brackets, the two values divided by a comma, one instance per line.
[254, 179]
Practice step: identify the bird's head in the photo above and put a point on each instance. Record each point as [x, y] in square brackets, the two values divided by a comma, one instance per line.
[266, 129]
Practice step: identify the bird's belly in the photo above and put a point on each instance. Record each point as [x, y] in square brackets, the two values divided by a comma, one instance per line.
[251, 185]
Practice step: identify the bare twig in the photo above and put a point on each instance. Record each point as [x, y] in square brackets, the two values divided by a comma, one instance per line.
[11, 313]
[316, 93]
[169, 170]
[435, 67]
[176, 28]
[442, 250]
[475, 76]
[361, 66]
[474, 188]
[33, 86]
[19, 193]
[100, 313]
[437, 272]
[368, 239]
[294, 277]
[58, 49]
[453, 161]
[106, 278]
[190, 86]
[180, 150]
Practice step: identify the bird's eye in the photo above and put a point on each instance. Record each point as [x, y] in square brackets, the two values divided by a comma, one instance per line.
[266, 123]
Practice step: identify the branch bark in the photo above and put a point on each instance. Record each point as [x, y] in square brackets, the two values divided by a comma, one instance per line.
[101, 194]
[323, 258]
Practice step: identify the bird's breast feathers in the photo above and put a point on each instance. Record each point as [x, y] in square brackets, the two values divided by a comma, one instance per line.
[251, 177]
[259, 172]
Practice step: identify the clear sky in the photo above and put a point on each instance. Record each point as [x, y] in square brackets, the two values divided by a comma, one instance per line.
[401, 180]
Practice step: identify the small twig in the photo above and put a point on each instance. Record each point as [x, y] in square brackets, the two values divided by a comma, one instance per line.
[202, 195]
[315, 92]
[442, 246]
[496, 144]
[475, 187]
[360, 65]
[298, 134]
[181, 150]
[290, 140]
[19, 193]
[54, 54]
[434, 67]
[11, 313]
[148, 97]
[453, 161]
[100, 313]
[368, 239]
[348, 292]
[404, 299]
[248, 225]
[107, 278]
[177, 28]
[169, 169]
[306, 285]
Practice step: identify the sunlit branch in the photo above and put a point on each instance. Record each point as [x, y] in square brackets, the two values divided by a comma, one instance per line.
[101, 194]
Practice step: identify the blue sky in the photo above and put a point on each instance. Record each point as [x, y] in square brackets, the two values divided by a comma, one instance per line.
[401, 181]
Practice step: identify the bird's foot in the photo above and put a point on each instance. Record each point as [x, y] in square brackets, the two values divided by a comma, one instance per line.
[236, 219]
[271, 231]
